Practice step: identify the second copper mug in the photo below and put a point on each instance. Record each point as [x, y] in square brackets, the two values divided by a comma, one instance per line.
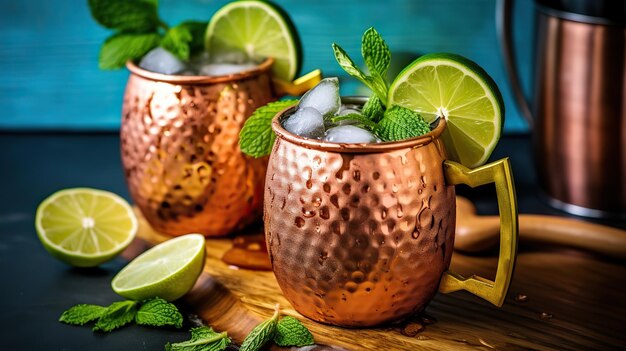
[363, 234]
[180, 149]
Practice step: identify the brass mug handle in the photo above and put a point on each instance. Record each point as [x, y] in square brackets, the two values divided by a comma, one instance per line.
[499, 173]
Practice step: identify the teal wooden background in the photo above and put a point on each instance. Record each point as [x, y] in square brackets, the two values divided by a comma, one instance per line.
[48, 50]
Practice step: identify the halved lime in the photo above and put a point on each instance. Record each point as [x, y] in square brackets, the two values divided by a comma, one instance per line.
[85, 227]
[167, 270]
[457, 89]
[259, 30]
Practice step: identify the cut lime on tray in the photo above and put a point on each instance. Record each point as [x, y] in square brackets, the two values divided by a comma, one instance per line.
[85, 227]
[259, 30]
[457, 89]
[168, 270]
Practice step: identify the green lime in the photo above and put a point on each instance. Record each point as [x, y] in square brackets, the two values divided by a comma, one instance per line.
[85, 227]
[259, 30]
[457, 89]
[167, 270]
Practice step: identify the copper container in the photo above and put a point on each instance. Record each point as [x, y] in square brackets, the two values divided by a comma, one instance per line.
[578, 114]
[360, 235]
[179, 142]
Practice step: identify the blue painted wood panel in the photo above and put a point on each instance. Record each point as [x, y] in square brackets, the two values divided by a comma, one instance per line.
[49, 49]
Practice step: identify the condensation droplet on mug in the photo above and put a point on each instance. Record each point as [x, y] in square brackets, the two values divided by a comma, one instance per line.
[317, 201]
[299, 222]
[307, 213]
[358, 276]
[394, 188]
[351, 287]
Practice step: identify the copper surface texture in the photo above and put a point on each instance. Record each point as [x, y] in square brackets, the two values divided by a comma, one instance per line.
[580, 132]
[358, 235]
[179, 144]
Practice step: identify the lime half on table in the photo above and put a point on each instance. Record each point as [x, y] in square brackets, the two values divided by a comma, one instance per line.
[168, 270]
[457, 89]
[259, 30]
[85, 227]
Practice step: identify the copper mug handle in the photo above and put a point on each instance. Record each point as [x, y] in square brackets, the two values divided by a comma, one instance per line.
[499, 173]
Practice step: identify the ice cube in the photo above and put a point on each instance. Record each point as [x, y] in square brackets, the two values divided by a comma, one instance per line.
[222, 69]
[161, 61]
[306, 122]
[351, 135]
[324, 97]
[237, 57]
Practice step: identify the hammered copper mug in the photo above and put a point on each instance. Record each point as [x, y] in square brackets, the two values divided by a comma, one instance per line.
[179, 143]
[363, 234]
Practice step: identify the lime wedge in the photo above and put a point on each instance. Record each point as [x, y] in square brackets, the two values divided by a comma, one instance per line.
[85, 227]
[457, 89]
[167, 270]
[259, 30]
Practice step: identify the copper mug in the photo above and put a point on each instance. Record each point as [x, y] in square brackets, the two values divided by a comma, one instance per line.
[362, 234]
[179, 143]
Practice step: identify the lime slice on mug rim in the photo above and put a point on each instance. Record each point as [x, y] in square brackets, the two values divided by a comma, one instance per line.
[258, 29]
[457, 89]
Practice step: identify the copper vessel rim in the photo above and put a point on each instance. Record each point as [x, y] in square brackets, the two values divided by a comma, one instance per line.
[352, 148]
[178, 79]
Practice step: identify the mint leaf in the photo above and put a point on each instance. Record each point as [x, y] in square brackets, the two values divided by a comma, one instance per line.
[177, 40]
[347, 64]
[198, 31]
[401, 123]
[130, 16]
[376, 53]
[116, 315]
[260, 335]
[158, 312]
[256, 137]
[355, 117]
[202, 339]
[120, 48]
[290, 332]
[373, 108]
[81, 314]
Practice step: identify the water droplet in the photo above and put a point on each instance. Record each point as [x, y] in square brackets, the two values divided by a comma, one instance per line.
[394, 188]
[358, 276]
[324, 213]
[307, 214]
[345, 213]
[317, 201]
[351, 287]
[299, 222]
[346, 189]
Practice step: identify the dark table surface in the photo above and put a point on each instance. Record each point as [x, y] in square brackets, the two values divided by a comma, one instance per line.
[37, 288]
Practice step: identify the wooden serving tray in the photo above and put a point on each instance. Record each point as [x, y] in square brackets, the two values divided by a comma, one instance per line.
[558, 300]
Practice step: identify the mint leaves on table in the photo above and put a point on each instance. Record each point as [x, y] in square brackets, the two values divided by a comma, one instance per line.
[261, 334]
[153, 312]
[257, 137]
[138, 29]
[82, 314]
[290, 332]
[202, 339]
[158, 312]
[401, 123]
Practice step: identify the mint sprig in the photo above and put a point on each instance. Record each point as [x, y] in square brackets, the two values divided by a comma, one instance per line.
[401, 123]
[256, 137]
[202, 339]
[357, 117]
[138, 29]
[154, 312]
[377, 57]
